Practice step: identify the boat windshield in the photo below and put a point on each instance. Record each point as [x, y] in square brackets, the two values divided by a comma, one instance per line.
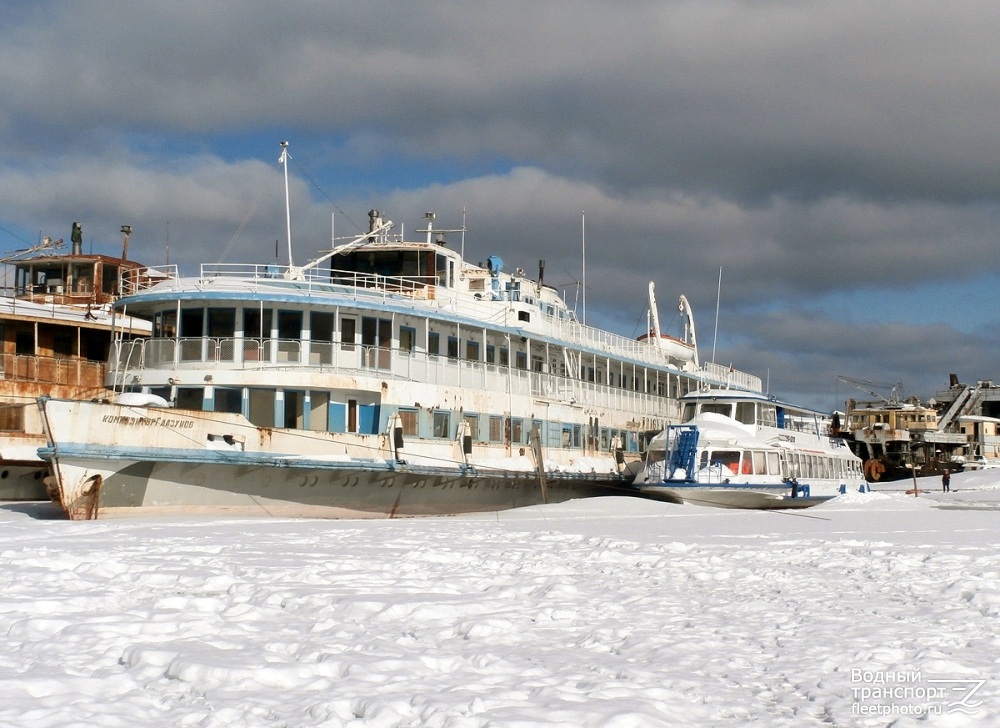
[418, 266]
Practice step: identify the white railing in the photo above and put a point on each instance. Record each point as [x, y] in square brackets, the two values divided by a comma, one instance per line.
[367, 287]
[129, 358]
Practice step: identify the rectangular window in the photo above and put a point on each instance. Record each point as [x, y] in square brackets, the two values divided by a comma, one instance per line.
[408, 420]
[491, 354]
[348, 333]
[407, 338]
[516, 430]
[321, 342]
[504, 357]
[376, 337]
[190, 398]
[433, 343]
[472, 350]
[319, 411]
[473, 421]
[321, 326]
[192, 323]
[521, 360]
[257, 323]
[165, 324]
[24, 341]
[453, 347]
[496, 428]
[262, 407]
[109, 278]
[290, 325]
[442, 424]
[62, 343]
[228, 400]
[222, 323]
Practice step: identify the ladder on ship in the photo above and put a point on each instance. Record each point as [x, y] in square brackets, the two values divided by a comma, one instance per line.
[683, 451]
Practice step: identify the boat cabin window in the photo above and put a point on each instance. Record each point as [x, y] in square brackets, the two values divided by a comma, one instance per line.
[728, 459]
[62, 343]
[290, 325]
[190, 398]
[745, 413]
[83, 278]
[257, 323]
[407, 338]
[719, 408]
[442, 424]
[228, 400]
[516, 429]
[165, 324]
[443, 271]
[496, 428]
[408, 421]
[348, 333]
[321, 326]
[192, 323]
[109, 278]
[433, 343]
[472, 420]
[361, 267]
[222, 323]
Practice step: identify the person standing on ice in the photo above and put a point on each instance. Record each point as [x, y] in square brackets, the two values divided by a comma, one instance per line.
[946, 482]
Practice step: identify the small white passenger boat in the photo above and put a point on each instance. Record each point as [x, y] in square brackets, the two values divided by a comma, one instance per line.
[388, 377]
[746, 450]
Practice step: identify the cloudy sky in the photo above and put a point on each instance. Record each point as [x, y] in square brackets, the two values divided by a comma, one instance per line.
[837, 161]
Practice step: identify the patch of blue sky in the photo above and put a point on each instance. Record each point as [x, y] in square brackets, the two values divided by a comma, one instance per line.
[966, 305]
[329, 162]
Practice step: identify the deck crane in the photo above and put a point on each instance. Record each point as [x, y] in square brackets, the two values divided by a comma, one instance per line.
[868, 387]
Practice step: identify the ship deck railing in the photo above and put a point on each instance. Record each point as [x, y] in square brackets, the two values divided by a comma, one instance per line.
[69, 371]
[372, 287]
[202, 356]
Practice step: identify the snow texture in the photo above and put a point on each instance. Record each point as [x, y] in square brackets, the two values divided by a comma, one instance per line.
[870, 610]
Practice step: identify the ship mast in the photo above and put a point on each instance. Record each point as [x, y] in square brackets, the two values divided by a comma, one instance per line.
[283, 160]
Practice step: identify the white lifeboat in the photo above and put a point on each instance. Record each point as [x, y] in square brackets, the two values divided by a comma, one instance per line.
[671, 345]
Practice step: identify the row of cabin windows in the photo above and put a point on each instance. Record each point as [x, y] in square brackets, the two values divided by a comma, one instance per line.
[375, 332]
[322, 411]
[749, 413]
[757, 462]
[58, 342]
[498, 428]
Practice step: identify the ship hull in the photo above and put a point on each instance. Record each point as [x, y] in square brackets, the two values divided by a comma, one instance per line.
[134, 461]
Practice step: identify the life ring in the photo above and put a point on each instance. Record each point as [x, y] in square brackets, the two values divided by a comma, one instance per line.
[874, 469]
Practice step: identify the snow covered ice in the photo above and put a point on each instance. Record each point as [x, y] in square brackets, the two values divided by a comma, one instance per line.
[870, 610]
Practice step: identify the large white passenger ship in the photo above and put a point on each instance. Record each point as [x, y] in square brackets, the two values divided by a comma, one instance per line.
[386, 378]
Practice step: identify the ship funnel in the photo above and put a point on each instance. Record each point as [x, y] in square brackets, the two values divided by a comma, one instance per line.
[77, 238]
